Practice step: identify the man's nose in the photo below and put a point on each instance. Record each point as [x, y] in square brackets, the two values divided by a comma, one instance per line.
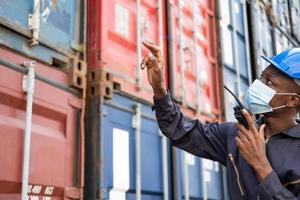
[263, 80]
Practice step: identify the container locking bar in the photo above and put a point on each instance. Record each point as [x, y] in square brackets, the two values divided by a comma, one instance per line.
[136, 124]
[164, 147]
[28, 87]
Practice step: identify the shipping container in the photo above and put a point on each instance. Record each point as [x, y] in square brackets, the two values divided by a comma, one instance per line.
[56, 149]
[193, 72]
[272, 29]
[237, 74]
[126, 156]
[113, 57]
[197, 178]
[235, 57]
[116, 30]
[51, 31]
[294, 10]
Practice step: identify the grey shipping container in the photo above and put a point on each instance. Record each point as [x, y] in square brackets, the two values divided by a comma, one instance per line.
[273, 28]
[235, 55]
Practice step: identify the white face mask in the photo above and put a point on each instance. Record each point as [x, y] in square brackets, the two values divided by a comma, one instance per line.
[259, 96]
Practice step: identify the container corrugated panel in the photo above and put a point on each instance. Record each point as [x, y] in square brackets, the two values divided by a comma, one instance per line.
[114, 44]
[197, 178]
[59, 24]
[284, 28]
[193, 61]
[273, 29]
[263, 35]
[119, 152]
[56, 157]
[294, 8]
[235, 54]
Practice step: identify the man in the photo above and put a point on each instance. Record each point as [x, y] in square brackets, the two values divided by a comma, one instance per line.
[261, 163]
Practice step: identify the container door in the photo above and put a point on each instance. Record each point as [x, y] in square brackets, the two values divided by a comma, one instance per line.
[118, 46]
[193, 49]
[59, 21]
[122, 176]
[295, 18]
[265, 39]
[55, 151]
[197, 178]
[284, 27]
[236, 61]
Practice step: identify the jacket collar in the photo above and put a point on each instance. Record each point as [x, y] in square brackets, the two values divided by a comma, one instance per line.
[292, 132]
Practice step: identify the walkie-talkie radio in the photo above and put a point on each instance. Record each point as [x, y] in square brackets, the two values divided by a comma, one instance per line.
[238, 110]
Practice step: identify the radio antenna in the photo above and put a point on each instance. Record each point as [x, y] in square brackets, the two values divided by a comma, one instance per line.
[237, 100]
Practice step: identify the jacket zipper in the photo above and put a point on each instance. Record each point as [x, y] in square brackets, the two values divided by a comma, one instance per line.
[237, 174]
[292, 182]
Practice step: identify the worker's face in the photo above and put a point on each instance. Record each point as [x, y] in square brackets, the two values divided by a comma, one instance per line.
[278, 81]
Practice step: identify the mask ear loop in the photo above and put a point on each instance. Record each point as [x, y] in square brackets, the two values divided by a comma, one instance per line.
[279, 107]
[284, 93]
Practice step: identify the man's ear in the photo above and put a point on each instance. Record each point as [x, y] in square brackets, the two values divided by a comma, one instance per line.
[294, 101]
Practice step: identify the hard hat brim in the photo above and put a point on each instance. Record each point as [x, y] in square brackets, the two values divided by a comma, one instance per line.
[275, 65]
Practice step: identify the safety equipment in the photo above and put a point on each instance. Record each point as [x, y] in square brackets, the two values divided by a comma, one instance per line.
[287, 62]
[259, 96]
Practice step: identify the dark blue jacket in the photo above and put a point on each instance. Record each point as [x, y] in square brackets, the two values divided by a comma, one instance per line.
[216, 141]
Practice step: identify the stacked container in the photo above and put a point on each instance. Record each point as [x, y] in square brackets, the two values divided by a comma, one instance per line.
[235, 55]
[194, 84]
[116, 30]
[126, 156]
[274, 28]
[192, 61]
[51, 34]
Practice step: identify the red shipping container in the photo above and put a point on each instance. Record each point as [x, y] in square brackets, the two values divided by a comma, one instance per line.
[56, 156]
[115, 45]
[195, 75]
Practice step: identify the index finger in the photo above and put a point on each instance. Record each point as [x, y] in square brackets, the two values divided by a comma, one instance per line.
[155, 50]
[152, 47]
[249, 120]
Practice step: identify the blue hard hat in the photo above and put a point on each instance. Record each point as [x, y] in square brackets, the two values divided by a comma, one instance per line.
[287, 62]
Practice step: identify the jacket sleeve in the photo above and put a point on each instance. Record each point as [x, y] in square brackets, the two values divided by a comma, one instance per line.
[271, 188]
[207, 141]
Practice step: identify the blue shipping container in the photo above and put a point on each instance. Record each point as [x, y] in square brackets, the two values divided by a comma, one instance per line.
[131, 157]
[126, 154]
[56, 24]
[197, 178]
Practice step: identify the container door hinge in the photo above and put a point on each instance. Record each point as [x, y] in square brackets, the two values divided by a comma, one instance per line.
[34, 23]
[77, 46]
[78, 74]
[100, 83]
[28, 80]
[74, 193]
[136, 119]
